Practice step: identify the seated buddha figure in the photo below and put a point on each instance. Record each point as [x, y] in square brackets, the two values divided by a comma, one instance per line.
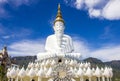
[59, 42]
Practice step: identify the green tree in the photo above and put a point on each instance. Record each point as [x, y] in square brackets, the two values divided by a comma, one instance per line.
[2, 73]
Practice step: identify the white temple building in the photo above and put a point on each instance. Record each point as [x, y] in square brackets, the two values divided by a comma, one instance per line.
[59, 62]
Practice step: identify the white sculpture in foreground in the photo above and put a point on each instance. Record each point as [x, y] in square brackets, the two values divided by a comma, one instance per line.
[59, 63]
[40, 72]
[59, 43]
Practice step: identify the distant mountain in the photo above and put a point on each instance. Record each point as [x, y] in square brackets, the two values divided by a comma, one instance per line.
[115, 64]
[24, 60]
[94, 62]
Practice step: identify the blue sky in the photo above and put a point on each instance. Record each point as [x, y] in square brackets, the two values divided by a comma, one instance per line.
[94, 26]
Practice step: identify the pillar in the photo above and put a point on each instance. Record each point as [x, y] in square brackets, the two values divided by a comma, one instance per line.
[30, 79]
[21, 79]
[98, 78]
[107, 78]
[11, 79]
[89, 78]
[81, 79]
[16, 79]
[39, 79]
[110, 79]
[103, 78]
[8, 79]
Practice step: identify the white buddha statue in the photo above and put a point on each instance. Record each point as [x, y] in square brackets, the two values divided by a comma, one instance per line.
[59, 42]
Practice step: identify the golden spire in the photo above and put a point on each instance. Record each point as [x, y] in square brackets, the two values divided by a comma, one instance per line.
[59, 15]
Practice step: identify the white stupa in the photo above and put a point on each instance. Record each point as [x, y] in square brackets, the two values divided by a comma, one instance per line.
[59, 62]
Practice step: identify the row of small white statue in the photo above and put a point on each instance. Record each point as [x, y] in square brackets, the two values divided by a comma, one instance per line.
[44, 72]
[106, 72]
[43, 56]
[53, 62]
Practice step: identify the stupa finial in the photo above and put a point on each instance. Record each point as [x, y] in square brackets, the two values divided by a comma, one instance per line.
[59, 15]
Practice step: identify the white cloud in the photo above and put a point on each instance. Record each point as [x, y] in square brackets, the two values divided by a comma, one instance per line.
[81, 46]
[92, 3]
[33, 47]
[6, 33]
[66, 1]
[108, 9]
[107, 53]
[21, 33]
[26, 47]
[112, 10]
[6, 37]
[3, 1]
[94, 12]
[79, 4]
[107, 33]
[18, 3]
